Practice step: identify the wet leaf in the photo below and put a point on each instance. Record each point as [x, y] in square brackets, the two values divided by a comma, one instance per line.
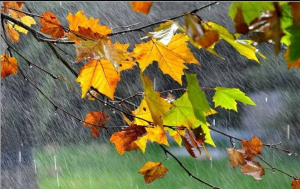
[99, 74]
[294, 49]
[143, 7]
[252, 148]
[124, 140]
[254, 169]
[197, 98]
[205, 38]
[51, 25]
[236, 157]
[170, 58]
[9, 65]
[191, 143]
[227, 97]
[12, 33]
[240, 25]
[27, 20]
[157, 134]
[96, 121]
[289, 63]
[295, 8]
[80, 20]
[296, 184]
[15, 5]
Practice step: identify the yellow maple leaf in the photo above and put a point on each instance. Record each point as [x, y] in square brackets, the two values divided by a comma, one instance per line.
[103, 48]
[28, 20]
[101, 75]
[170, 58]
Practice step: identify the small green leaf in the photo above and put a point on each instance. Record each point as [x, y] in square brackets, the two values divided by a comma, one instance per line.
[295, 42]
[197, 98]
[286, 21]
[227, 97]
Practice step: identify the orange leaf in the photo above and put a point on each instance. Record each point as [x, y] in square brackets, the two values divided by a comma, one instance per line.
[296, 184]
[289, 63]
[51, 25]
[143, 7]
[254, 169]
[252, 148]
[295, 8]
[170, 58]
[83, 26]
[124, 140]
[99, 74]
[15, 5]
[197, 33]
[9, 65]
[236, 157]
[240, 25]
[152, 171]
[96, 120]
[157, 134]
[12, 33]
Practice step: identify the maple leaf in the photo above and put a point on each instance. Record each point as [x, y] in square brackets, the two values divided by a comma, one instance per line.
[164, 32]
[51, 25]
[170, 57]
[289, 63]
[244, 47]
[157, 134]
[15, 5]
[99, 74]
[143, 7]
[296, 184]
[103, 48]
[252, 148]
[240, 25]
[27, 20]
[197, 33]
[236, 157]
[227, 97]
[12, 33]
[254, 169]
[158, 107]
[79, 20]
[175, 134]
[124, 140]
[295, 8]
[96, 121]
[152, 171]
[197, 98]
[9, 65]
[190, 143]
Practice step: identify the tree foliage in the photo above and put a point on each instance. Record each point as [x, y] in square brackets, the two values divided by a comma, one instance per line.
[183, 118]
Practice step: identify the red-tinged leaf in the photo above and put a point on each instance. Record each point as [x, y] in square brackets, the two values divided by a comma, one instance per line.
[296, 184]
[240, 25]
[236, 157]
[51, 25]
[15, 5]
[289, 63]
[152, 171]
[96, 121]
[190, 143]
[252, 148]
[143, 7]
[295, 8]
[9, 65]
[197, 33]
[123, 140]
[254, 169]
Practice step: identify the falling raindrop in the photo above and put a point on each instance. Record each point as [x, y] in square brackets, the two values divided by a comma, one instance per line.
[288, 132]
[34, 162]
[25, 79]
[113, 111]
[266, 99]
[211, 162]
[290, 153]
[20, 156]
[30, 66]
[214, 122]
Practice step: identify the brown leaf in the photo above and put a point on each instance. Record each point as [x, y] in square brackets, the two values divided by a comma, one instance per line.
[199, 134]
[152, 171]
[296, 184]
[254, 169]
[96, 120]
[143, 7]
[197, 33]
[190, 143]
[295, 8]
[240, 25]
[124, 140]
[9, 65]
[236, 157]
[289, 63]
[51, 25]
[252, 148]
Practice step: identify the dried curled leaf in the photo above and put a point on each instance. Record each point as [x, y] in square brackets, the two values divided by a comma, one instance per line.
[191, 143]
[9, 65]
[51, 25]
[152, 171]
[296, 184]
[96, 120]
[254, 169]
[15, 5]
[143, 7]
[124, 140]
[252, 148]
[236, 157]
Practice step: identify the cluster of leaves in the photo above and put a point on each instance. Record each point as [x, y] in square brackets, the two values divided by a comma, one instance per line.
[183, 118]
